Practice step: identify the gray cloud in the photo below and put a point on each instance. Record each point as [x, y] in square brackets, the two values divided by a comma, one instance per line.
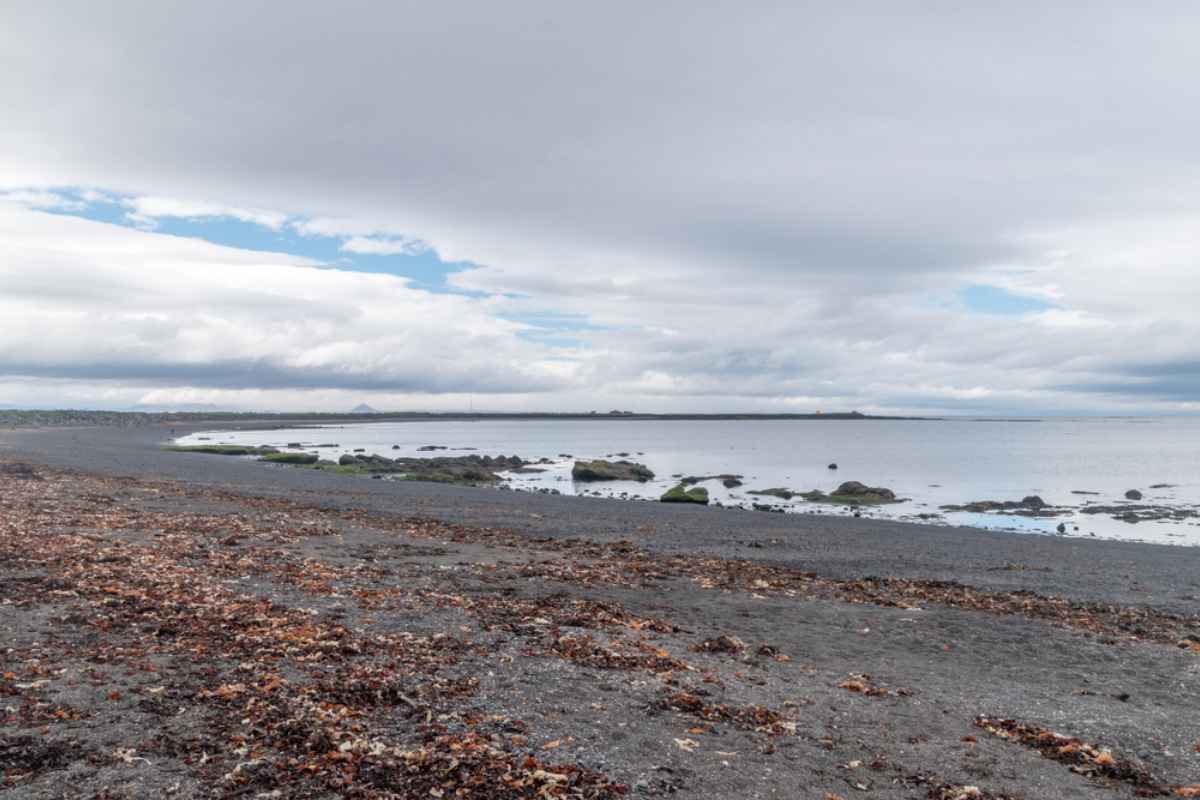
[753, 200]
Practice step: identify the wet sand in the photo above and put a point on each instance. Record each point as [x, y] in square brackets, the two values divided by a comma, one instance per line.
[632, 648]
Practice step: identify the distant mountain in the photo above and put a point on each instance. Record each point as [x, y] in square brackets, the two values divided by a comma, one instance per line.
[363, 408]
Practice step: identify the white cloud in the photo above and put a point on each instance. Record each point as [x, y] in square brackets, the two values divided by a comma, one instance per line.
[147, 210]
[92, 302]
[40, 199]
[367, 245]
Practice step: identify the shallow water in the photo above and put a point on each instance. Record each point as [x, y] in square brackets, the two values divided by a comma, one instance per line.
[930, 463]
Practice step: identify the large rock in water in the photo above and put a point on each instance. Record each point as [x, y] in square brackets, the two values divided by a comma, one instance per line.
[601, 470]
[1133, 494]
[865, 494]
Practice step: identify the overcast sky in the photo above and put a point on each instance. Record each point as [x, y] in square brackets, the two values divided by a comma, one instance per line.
[929, 207]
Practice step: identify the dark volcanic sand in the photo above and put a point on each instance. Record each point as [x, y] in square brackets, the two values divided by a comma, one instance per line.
[1093, 681]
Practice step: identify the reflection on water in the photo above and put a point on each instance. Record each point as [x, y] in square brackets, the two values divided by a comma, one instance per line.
[930, 463]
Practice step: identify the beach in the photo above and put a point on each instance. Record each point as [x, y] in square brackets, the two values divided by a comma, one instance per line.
[198, 626]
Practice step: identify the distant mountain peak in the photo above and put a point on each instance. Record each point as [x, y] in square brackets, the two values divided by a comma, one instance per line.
[363, 408]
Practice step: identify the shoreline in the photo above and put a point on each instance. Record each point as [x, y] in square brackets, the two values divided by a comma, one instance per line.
[1080, 514]
[845, 546]
[53, 418]
[636, 650]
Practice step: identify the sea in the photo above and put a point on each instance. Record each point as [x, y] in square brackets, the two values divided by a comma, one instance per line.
[1073, 464]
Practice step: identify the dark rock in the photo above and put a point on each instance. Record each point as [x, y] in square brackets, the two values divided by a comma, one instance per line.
[777, 491]
[1029, 506]
[1133, 494]
[865, 494]
[291, 458]
[431, 447]
[601, 470]
[1062, 527]
[730, 481]
[833, 466]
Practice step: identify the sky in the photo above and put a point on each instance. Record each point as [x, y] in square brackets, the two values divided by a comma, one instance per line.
[950, 208]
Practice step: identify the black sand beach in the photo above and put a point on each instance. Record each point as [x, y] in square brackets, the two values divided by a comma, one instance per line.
[560, 647]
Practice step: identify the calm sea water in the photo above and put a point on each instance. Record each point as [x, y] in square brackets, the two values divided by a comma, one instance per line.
[929, 462]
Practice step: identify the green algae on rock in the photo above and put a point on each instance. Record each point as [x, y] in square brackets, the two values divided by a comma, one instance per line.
[601, 470]
[291, 458]
[224, 449]
[682, 494]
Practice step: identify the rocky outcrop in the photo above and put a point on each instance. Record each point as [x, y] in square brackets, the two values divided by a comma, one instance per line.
[601, 470]
[682, 494]
[850, 493]
[1029, 506]
[727, 480]
[862, 493]
[291, 458]
[1133, 494]
[775, 491]
[472, 469]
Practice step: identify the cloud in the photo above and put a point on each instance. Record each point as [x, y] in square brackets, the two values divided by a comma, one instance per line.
[749, 205]
[366, 245]
[40, 199]
[147, 210]
[91, 302]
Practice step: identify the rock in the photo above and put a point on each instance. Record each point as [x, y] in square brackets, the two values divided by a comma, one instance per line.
[860, 493]
[426, 448]
[777, 491]
[224, 449]
[1029, 506]
[291, 458]
[601, 470]
[833, 466]
[682, 494]
[1133, 494]
[1062, 527]
[729, 481]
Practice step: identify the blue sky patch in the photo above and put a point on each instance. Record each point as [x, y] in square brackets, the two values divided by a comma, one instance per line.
[985, 299]
[425, 269]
